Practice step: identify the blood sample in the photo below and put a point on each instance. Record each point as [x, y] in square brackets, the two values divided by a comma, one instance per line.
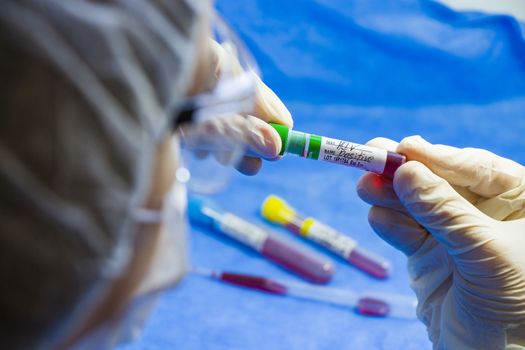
[316, 147]
[372, 307]
[286, 253]
[276, 210]
[253, 282]
[365, 303]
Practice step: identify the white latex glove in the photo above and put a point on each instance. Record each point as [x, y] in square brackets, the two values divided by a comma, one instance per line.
[262, 140]
[458, 214]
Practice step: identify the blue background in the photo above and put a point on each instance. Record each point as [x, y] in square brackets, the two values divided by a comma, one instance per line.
[352, 70]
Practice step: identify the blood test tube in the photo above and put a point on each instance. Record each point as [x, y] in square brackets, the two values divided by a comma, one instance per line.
[379, 304]
[283, 252]
[346, 153]
[276, 210]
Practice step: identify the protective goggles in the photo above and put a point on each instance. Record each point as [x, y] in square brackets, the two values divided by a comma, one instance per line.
[212, 126]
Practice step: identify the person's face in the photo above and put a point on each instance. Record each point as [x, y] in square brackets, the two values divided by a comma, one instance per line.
[120, 292]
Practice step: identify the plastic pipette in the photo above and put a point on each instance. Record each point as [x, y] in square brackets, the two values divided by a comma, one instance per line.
[336, 151]
[284, 252]
[366, 303]
[276, 210]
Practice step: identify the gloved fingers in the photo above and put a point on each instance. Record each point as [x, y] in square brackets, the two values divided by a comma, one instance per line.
[481, 171]
[225, 59]
[398, 229]
[229, 132]
[269, 107]
[262, 140]
[208, 68]
[246, 165]
[229, 137]
[392, 146]
[225, 133]
[449, 217]
[249, 165]
[467, 194]
[378, 190]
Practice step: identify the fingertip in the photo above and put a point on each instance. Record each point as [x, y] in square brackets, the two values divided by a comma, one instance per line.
[412, 146]
[397, 229]
[264, 141]
[274, 138]
[368, 187]
[377, 190]
[249, 166]
[284, 117]
[291, 123]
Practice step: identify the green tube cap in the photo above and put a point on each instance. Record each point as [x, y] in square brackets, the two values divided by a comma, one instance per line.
[283, 132]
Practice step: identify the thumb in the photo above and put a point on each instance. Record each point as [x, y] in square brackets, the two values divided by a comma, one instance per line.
[478, 170]
[435, 205]
[269, 107]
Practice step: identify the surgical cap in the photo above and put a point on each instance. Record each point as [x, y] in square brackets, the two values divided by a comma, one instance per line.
[87, 90]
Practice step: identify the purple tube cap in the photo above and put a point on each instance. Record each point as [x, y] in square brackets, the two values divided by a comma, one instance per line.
[393, 161]
[373, 307]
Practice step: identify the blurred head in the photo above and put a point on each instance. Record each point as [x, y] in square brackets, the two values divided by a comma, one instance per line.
[87, 95]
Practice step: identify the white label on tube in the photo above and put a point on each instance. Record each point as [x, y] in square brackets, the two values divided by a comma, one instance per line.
[353, 154]
[241, 230]
[331, 239]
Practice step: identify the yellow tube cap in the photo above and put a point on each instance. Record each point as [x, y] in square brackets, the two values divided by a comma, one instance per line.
[276, 210]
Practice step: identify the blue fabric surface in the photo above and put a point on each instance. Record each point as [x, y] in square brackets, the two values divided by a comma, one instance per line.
[352, 70]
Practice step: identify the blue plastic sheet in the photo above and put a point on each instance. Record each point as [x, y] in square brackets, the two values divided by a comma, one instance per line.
[352, 70]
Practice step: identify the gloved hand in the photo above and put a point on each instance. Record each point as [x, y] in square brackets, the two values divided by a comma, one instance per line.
[458, 214]
[261, 139]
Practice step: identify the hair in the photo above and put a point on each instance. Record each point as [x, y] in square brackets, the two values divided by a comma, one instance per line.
[45, 265]
[75, 152]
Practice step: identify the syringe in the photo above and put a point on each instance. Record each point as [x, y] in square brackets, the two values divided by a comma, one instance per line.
[380, 304]
[276, 210]
[336, 151]
[284, 252]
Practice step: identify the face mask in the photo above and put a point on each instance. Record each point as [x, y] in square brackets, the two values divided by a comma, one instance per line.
[167, 268]
[125, 330]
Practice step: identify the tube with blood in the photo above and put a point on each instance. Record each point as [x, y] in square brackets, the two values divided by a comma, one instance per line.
[276, 210]
[284, 252]
[316, 147]
[366, 303]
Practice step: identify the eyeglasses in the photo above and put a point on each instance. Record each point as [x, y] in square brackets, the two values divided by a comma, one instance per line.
[212, 126]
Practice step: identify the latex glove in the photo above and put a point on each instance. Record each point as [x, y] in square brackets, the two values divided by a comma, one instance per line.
[262, 140]
[458, 214]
